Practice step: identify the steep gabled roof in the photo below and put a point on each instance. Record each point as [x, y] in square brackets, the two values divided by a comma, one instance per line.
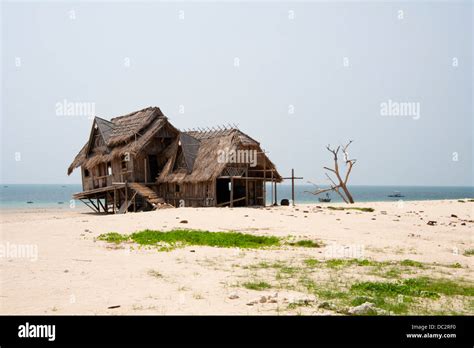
[105, 127]
[128, 126]
[190, 147]
[128, 133]
[206, 164]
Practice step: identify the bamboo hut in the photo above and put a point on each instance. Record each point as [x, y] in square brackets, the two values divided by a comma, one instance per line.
[140, 162]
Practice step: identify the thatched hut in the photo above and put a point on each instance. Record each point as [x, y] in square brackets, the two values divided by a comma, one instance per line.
[140, 161]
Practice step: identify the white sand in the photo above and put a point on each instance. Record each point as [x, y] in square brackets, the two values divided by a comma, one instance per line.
[74, 274]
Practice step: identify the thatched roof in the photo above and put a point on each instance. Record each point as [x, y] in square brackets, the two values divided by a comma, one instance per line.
[203, 152]
[124, 134]
[192, 157]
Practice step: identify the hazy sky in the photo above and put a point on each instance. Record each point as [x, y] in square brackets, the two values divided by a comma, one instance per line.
[295, 76]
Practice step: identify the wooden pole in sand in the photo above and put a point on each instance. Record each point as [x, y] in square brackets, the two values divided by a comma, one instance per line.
[276, 199]
[293, 186]
[293, 177]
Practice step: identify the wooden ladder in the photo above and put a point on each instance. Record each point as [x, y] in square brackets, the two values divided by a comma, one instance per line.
[147, 193]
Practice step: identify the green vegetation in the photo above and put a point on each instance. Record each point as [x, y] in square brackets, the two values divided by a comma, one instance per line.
[409, 287]
[295, 305]
[194, 237]
[257, 285]
[393, 272]
[411, 263]
[399, 306]
[397, 295]
[181, 237]
[415, 287]
[155, 274]
[368, 210]
[306, 244]
[113, 237]
[468, 252]
[337, 263]
[340, 263]
[311, 262]
[324, 291]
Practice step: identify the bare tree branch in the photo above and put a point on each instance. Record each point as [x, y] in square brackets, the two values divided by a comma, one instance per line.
[330, 169]
[345, 195]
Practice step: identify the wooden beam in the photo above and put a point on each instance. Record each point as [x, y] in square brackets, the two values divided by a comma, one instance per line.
[146, 174]
[272, 187]
[96, 207]
[126, 197]
[105, 200]
[293, 177]
[293, 186]
[264, 183]
[246, 187]
[241, 177]
[86, 203]
[230, 202]
[232, 192]
[100, 203]
[115, 200]
[276, 198]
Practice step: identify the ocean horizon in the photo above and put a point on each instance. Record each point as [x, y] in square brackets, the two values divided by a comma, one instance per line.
[57, 195]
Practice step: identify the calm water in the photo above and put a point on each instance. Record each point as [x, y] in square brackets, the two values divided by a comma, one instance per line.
[47, 196]
[377, 193]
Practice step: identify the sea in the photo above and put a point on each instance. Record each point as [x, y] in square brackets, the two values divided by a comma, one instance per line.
[17, 196]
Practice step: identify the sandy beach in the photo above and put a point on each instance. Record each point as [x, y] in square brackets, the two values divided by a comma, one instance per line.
[74, 273]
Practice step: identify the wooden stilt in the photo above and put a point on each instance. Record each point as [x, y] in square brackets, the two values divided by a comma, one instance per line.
[94, 208]
[246, 187]
[126, 196]
[115, 200]
[99, 203]
[135, 202]
[276, 199]
[264, 182]
[146, 174]
[232, 192]
[271, 185]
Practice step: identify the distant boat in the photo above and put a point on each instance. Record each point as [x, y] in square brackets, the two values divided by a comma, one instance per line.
[29, 202]
[396, 194]
[327, 199]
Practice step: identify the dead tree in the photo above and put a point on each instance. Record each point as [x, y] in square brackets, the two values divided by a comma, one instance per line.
[339, 185]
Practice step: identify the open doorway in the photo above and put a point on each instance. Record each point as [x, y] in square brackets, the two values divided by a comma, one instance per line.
[223, 192]
[153, 165]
